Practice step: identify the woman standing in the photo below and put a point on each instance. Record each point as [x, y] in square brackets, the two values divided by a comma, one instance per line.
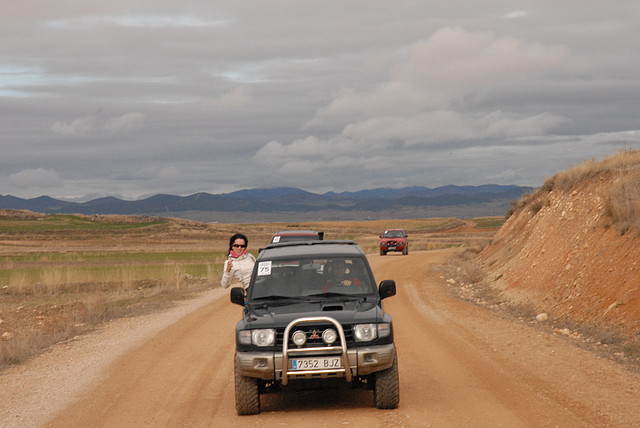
[239, 264]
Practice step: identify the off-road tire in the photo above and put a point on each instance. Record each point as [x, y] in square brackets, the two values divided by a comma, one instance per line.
[405, 251]
[247, 394]
[386, 391]
[383, 253]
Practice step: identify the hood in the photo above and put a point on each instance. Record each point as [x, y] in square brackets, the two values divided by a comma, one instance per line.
[276, 314]
[392, 239]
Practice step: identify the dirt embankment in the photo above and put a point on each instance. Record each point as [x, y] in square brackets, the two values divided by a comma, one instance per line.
[562, 252]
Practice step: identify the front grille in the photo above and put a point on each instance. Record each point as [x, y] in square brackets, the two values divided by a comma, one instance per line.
[309, 330]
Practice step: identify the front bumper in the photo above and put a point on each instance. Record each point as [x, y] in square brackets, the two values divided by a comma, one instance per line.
[362, 361]
[398, 246]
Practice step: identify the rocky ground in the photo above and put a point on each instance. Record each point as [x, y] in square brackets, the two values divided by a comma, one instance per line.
[561, 255]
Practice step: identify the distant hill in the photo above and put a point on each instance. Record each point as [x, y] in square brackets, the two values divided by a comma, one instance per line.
[284, 203]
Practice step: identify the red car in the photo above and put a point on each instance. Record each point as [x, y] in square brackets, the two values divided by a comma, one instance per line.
[394, 240]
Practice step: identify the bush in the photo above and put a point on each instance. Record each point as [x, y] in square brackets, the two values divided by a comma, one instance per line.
[623, 204]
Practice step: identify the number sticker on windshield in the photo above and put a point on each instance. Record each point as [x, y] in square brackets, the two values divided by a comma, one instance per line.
[264, 268]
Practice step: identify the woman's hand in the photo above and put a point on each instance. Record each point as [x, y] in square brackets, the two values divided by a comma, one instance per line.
[229, 265]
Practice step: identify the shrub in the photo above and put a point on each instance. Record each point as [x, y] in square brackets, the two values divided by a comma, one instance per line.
[623, 203]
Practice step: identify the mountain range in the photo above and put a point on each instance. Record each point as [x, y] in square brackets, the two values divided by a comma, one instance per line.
[288, 203]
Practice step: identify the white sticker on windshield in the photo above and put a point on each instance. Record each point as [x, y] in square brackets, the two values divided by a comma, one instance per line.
[276, 239]
[264, 268]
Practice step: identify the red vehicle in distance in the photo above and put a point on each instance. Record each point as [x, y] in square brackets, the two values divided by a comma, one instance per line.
[394, 240]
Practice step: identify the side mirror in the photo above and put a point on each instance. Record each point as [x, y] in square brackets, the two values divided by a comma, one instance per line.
[387, 288]
[237, 296]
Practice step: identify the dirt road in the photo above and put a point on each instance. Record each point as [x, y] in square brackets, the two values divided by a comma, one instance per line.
[460, 365]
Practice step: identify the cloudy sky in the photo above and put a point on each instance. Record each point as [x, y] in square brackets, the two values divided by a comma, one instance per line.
[137, 97]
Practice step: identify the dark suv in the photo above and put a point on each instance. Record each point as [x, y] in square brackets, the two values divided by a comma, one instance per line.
[313, 312]
[394, 240]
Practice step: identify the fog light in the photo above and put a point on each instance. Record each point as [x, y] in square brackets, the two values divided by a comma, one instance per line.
[329, 336]
[299, 338]
[370, 358]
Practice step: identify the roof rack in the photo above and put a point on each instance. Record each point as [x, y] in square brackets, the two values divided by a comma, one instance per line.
[309, 243]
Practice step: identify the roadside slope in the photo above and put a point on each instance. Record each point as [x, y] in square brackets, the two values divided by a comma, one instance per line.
[568, 251]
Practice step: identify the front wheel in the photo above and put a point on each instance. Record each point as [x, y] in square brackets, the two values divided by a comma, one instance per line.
[247, 394]
[386, 392]
[383, 253]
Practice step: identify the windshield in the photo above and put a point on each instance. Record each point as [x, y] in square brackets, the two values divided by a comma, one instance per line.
[393, 234]
[311, 277]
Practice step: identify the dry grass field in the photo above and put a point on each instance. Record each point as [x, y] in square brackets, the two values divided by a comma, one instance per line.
[62, 275]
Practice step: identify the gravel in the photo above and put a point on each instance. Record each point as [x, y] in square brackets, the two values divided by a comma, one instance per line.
[32, 393]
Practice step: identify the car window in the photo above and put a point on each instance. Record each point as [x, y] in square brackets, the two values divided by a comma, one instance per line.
[393, 234]
[307, 277]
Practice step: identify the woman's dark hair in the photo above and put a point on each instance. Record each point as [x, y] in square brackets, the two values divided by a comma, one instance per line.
[237, 236]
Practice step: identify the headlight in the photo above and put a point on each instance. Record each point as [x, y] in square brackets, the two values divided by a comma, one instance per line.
[365, 332]
[263, 337]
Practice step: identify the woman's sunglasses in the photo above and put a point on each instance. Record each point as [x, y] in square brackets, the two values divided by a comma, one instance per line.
[239, 246]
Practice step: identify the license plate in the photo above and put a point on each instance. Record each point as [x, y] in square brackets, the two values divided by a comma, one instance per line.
[392, 248]
[316, 363]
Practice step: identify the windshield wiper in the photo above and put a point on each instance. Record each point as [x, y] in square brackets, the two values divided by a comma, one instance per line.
[277, 297]
[341, 295]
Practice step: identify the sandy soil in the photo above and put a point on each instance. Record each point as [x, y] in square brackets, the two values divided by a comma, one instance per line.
[31, 393]
[460, 365]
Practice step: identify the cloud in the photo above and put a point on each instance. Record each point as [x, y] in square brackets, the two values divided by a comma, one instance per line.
[124, 123]
[80, 126]
[430, 99]
[498, 125]
[441, 71]
[161, 173]
[516, 14]
[454, 57]
[306, 156]
[275, 153]
[198, 91]
[39, 178]
[96, 124]
[419, 129]
[234, 99]
[134, 21]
